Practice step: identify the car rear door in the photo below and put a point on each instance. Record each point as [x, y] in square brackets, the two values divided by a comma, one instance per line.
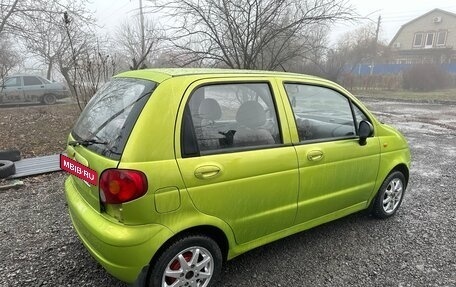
[12, 91]
[337, 174]
[235, 156]
[33, 89]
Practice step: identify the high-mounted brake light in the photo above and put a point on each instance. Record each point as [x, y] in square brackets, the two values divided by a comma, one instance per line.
[122, 185]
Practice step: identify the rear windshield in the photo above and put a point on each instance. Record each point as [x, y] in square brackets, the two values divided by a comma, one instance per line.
[108, 118]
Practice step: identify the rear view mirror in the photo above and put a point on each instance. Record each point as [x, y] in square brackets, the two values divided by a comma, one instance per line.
[365, 130]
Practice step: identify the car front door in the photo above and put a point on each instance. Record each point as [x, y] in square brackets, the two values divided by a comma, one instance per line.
[237, 163]
[337, 174]
[12, 90]
[33, 89]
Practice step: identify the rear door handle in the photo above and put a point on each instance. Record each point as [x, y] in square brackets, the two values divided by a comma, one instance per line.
[207, 171]
[315, 155]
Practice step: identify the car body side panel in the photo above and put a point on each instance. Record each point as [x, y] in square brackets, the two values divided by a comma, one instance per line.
[34, 93]
[345, 175]
[394, 152]
[252, 195]
[122, 250]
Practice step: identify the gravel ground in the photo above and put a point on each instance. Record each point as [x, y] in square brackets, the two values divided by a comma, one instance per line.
[414, 248]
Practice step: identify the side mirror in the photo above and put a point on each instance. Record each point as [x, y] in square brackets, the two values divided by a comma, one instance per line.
[365, 130]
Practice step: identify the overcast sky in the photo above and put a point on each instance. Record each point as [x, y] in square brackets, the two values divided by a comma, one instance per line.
[394, 13]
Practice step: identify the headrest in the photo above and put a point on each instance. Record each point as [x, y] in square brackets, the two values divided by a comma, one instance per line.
[251, 114]
[209, 109]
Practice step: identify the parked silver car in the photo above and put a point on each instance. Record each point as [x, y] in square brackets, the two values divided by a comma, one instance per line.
[31, 88]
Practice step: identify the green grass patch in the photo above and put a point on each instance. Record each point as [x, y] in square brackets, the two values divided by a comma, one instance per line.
[448, 95]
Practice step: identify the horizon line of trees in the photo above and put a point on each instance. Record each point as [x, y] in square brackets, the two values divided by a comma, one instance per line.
[291, 35]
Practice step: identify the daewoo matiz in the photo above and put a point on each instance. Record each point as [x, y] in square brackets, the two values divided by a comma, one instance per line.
[197, 166]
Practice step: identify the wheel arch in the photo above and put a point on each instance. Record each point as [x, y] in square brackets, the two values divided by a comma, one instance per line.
[401, 167]
[404, 170]
[210, 231]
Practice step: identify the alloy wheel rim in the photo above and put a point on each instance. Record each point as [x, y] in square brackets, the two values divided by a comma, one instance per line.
[392, 196]
[192, 267]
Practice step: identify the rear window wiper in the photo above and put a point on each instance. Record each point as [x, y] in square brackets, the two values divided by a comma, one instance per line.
[86, 142]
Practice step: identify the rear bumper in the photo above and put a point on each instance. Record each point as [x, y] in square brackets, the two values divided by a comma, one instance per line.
[121, 249]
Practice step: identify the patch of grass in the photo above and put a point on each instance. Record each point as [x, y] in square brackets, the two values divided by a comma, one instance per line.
[448, 95]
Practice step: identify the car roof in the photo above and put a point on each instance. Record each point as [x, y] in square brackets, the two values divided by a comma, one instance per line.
[22, 75]
[161, 74]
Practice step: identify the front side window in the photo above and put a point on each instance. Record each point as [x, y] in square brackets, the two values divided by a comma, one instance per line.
[233, 115]
[418, 40]
[31, 81]
[108, 118]
[320, 113]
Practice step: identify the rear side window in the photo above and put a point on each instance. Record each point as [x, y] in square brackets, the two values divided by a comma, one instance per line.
[320, 113]
[13, 82]
[110, 115]
[226, 116]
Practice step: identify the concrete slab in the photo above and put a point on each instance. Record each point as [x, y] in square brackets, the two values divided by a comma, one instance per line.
[36, 165]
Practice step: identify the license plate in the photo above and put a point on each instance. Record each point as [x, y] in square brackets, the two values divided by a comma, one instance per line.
[79, 170]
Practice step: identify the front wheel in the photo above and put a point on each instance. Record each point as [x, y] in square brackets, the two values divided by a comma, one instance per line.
[49, 99]
[194, 260]
[389, 196]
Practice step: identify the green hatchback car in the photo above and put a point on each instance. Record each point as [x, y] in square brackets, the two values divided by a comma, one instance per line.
[197, 166]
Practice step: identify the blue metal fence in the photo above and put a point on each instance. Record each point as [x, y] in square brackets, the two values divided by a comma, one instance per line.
[382, 69]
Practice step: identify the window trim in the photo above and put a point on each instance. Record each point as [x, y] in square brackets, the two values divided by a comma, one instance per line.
[426, 45]
[445, 34]
[414, 45]
[351, 104]
[215, 82]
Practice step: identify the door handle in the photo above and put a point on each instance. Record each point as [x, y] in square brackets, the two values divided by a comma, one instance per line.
[315, 155]
[207, 171]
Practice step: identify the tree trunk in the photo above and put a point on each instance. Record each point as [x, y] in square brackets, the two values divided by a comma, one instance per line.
[71, 85]
[49, 69]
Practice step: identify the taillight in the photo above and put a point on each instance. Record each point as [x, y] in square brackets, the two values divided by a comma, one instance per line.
[122, 185]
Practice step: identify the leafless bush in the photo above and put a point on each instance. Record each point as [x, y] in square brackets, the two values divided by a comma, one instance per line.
[425, 78]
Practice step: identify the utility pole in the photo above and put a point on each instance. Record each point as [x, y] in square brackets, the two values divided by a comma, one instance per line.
[141, 19]
[374, 48]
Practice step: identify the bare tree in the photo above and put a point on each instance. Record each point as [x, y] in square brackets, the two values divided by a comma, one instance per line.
[16, 14]
[352, 49]
[8, 8]
[9, 58]
[139, 40]
[45, 36]
[255, 34]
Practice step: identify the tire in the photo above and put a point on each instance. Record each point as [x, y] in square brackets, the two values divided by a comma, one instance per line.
[12, 155]
[204, 273]
[49, 99]
[389, 196]
[7, 168]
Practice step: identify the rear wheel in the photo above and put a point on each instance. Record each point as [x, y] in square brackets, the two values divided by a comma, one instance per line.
[389, 196]
[194, 260]
[49, 99]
